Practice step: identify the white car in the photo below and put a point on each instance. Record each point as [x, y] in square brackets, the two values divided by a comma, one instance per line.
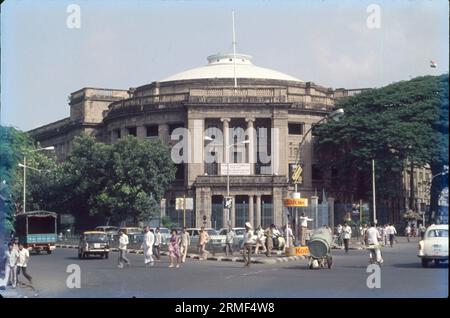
[434, 246]
[239, 237]
[214, 238]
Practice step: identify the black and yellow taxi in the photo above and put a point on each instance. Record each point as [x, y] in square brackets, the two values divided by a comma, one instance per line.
[93, 243]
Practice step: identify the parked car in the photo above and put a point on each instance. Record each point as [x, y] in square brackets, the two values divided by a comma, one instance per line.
[111, 231]
[131, 230]
[108, 229]
[434, 246]
[214, 237]
[93, 243]
[165, 235]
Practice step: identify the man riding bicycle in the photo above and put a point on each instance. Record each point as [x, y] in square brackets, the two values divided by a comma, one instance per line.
[371, 237]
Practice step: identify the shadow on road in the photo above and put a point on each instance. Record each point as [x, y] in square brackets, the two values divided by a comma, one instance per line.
[418, 265]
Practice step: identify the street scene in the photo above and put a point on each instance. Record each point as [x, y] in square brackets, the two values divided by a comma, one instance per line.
[167, 149]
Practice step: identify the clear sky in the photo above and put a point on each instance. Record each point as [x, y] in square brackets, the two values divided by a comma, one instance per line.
[123, 44]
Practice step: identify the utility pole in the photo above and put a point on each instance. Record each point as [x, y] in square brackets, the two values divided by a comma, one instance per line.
[373, 193]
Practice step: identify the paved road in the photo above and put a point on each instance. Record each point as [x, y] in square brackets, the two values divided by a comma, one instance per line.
[401, 276]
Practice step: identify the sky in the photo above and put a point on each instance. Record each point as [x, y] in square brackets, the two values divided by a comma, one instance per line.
[123, 44]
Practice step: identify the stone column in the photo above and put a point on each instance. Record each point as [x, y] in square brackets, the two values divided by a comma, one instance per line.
[224, 214]
[315, 206]
[226, 138]
[141, 132]
[251, 210]
[330, 201]
[203, 206]
[307, 159]
[277, 204]
[233, 213]
[163, 133]
[251, 145]
[258, 210]
[279, 142]
[195, 166]
[123, 132]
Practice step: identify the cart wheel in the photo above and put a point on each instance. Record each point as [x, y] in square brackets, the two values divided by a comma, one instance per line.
[329, 261]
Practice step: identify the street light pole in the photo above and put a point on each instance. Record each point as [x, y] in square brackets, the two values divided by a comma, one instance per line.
[25, 175]
[24, 183]
[373, 193]
[227, 159]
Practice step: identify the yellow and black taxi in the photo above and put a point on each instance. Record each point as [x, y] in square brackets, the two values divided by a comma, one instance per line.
[93, 243]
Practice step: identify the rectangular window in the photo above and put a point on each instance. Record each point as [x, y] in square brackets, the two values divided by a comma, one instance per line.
[295, 128]
[132, 131]
[316, 172]
[174, 126]
[152, 131]
[117, 133]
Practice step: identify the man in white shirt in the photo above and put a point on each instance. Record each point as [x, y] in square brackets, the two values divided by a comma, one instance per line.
[157, 244]
[185, 242]
[22, 263]
[248, 242]
[304, 228]
[391, 231]
[123, 243]
[11, 257]
[147, 246]
[260, 240]
[290, 236]
[408, 231]
[371, 237]
[229, 242]
[347, 234]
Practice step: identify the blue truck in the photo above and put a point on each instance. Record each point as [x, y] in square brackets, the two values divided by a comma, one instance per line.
[36, 230]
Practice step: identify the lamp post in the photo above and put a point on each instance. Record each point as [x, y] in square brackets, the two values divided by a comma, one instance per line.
[228, 168]
[442, 173]
[335, 115]
[24, 166]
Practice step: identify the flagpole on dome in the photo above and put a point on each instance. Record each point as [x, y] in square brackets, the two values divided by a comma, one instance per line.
[234, 50]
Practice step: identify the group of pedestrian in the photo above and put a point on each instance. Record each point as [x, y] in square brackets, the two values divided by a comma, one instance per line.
[411, 231]
[178, 245]
[16, 259]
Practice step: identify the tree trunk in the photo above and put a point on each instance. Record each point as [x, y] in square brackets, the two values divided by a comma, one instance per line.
[412, 194]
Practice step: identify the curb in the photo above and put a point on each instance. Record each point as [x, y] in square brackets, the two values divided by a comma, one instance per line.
[266, 260]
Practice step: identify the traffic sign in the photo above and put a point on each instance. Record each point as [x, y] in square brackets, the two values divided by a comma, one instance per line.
[291, 202]
[297, 174]
[227, 202]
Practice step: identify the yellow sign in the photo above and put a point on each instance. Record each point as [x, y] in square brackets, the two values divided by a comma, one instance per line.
[290, 202]
[296, 174]
[297, 251]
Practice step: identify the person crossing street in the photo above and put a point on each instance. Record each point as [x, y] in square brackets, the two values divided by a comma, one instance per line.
[24, 256]
[147, 246]
[248, 242]
[185, 243]
[123, 243]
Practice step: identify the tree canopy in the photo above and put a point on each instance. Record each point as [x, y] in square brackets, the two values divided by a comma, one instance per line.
[403, 122]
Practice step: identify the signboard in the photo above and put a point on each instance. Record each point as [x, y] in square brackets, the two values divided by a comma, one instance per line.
[297, 174]
[227, 202]
[180, 203]
[189, 204]
[236, 169]
[290, 202]
[297, 251]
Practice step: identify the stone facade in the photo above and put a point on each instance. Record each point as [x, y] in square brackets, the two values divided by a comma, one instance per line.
[155, 110]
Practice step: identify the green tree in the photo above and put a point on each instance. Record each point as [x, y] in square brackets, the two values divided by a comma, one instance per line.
[41, 180]
[119, 182]
[402, 123]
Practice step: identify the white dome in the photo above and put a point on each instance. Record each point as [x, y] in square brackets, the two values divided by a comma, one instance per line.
[222, 66]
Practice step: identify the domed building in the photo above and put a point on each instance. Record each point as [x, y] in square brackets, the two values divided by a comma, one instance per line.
[262, 115]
